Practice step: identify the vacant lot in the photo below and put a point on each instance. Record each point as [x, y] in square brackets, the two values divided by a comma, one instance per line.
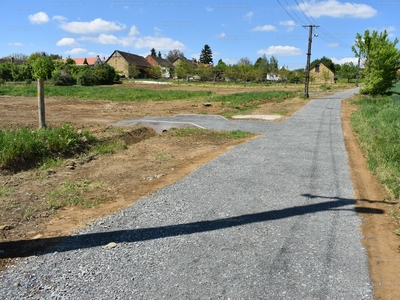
[150, 161]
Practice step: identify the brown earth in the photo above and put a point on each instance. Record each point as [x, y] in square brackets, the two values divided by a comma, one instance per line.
[150, 162]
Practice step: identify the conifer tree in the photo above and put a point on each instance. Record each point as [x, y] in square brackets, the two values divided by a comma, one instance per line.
[206, 55]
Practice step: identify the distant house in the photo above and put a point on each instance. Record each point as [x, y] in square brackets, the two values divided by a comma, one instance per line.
[272, 77]
[121, 60]
[180, 59]
[164, 65]
[90, 61]
[320, 74]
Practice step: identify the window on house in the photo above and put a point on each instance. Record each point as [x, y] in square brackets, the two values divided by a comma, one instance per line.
[317, 68]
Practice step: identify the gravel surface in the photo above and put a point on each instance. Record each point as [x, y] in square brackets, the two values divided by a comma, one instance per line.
[270, 219]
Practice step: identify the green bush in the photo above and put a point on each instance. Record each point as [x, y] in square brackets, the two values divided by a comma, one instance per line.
[24, 148]
[62, 77]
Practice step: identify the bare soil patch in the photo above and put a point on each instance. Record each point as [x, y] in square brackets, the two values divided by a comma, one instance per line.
[153, 161]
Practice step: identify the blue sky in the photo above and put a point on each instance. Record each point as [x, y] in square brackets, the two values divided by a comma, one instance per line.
[233, 30]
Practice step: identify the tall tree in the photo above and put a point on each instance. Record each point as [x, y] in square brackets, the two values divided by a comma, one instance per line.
[42, 67]
[184, 70]
[206, 55]
[348, 70]
[359, 51]
[273, 61]
[382, 60]
[204, 72]
[221, 66]
[153, 52]
[35, 56]
[174, 54]
[244, 61]
[159, 54]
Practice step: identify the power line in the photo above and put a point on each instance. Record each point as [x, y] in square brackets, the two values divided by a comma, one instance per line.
[305, 6]
[329, 38]
[301, 21]
[298, 5]
[335, 39]
[287, 11]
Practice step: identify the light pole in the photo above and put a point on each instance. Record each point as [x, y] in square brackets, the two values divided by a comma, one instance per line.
[308, 58]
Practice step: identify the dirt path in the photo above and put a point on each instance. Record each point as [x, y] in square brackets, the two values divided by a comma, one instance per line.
[131, 174]
[382, 245]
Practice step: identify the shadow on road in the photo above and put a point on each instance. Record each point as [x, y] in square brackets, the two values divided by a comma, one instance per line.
[23, 248]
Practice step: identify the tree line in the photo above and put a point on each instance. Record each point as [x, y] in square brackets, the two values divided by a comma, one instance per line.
[53, 68]
[378, 63]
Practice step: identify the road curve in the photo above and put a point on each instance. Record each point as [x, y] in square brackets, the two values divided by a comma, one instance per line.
[270, 219]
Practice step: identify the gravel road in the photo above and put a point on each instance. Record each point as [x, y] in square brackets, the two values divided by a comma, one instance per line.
[270, 219]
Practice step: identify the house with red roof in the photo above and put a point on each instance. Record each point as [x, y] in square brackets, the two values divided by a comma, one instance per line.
[165, 66]
[89, 61]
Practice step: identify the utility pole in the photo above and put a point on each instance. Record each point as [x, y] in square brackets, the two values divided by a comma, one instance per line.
[310, 36]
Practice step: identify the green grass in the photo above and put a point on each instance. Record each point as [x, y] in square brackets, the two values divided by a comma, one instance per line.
[104, 93]
[189, 131]
[246, 102]
[24, 148]
[136, 94]
[5, 191]
[71, 194]
[377, 125]
[109, 147]
[252, 98]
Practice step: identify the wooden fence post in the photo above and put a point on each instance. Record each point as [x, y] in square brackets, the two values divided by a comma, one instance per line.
[40, 89]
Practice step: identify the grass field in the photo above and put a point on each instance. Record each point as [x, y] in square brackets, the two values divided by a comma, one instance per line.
[377, 124]
[103, 93]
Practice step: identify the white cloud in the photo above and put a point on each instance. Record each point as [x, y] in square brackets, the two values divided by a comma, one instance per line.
[101, 55]
[67, 42]
[134, 30]
[15, 44]
[96, 26]
[264, 28]
[287, 23]
[59, 18]
[75, 51]
[332, 45]
[336, 9]
[390, 28]
[104, 39]
[281, 51]
[39, 18]
[230, 61]
[159, 43]
[343, 60]
[210, 9]
[248, 16]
